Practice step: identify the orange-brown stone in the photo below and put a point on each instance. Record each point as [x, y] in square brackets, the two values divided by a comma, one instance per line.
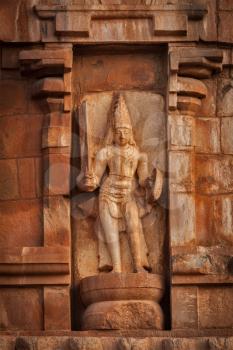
[62, 64]
[21, 223]
[9, 186]
[20, 136]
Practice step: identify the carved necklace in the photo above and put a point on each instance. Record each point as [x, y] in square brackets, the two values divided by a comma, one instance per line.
[125, 152]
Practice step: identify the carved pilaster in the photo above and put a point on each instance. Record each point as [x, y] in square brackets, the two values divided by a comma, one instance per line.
[186, 92]
[188, 66]
[51, 68]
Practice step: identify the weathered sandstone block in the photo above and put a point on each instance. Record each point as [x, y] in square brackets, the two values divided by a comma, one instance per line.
[207, 135]
[26, 212]
[20, 136]
[9, 187]
[226, 135]
[15, 305]
[214, 174]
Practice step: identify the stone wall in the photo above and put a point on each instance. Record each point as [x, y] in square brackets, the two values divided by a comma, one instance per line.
[20, 181]
[43, 254]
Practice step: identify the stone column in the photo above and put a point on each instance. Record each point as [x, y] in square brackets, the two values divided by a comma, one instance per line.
[191, 263]
[51, 68]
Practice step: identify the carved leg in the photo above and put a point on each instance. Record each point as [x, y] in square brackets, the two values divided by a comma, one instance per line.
[133, 230]
[111, 232]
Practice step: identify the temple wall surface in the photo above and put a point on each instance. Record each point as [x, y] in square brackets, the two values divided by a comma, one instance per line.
[171, 61]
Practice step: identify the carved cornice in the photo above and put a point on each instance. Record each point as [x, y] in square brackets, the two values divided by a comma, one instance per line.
[156, 21]
[188, 65]
[35, 265]
[51, 69]
[195, 62]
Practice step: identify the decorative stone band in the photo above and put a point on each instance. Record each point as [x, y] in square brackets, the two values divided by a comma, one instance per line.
[170, 22]
[143, 339]
[34, 265]
[202, 261]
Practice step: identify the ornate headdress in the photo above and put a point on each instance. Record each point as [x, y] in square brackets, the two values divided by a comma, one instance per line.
[121, 117]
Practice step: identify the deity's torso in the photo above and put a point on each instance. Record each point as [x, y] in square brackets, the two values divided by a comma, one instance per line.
[122, 161]
[122, 165]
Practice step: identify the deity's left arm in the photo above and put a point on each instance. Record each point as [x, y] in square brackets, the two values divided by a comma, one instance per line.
[142, 169]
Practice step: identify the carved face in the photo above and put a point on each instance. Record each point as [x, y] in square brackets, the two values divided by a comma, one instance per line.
[122, 136]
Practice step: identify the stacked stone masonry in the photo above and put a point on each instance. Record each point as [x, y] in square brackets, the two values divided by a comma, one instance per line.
[64, 64]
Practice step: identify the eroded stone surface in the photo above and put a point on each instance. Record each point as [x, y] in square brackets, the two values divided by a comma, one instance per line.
[214, 307]
[214, 174]
[56, 221]
[56, 308]
[184, 307]
[208, 135]
[130, 314]
[224, 28]
[26, 212]
[20, 22]
[183, 229]
[224, 98]
[8, 179]
[226, 135]
[214, 220]
[28, 129]
[14, 305]
[199, 215]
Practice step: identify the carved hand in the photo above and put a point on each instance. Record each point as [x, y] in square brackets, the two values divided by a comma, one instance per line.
[154, 186]
[88, 182]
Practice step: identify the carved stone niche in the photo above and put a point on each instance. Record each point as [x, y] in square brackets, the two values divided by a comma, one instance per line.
[118, 208]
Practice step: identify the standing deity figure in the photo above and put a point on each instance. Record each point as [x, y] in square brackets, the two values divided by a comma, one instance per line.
[118, 168]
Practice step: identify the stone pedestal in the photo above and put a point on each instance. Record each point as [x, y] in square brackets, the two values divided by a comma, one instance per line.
[122, 301]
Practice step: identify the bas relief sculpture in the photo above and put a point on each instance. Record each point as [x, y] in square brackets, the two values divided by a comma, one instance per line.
[126, 190]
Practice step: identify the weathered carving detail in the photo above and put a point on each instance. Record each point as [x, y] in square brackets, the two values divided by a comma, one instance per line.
[69, 19]
[122, 301]
[50, 265]
[23, 344]
[192, 265]
[114, 171]
[187, 67]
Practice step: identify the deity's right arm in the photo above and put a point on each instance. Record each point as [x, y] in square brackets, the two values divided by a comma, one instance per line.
[100, 165]
[92, 177]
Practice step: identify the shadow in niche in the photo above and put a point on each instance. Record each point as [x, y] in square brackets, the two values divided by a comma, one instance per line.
[76, 302]
[166, 301]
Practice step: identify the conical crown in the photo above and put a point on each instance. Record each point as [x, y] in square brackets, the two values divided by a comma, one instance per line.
[121, 118]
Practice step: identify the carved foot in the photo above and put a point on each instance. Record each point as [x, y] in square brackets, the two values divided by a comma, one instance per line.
[140, 269]
[116, 269]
